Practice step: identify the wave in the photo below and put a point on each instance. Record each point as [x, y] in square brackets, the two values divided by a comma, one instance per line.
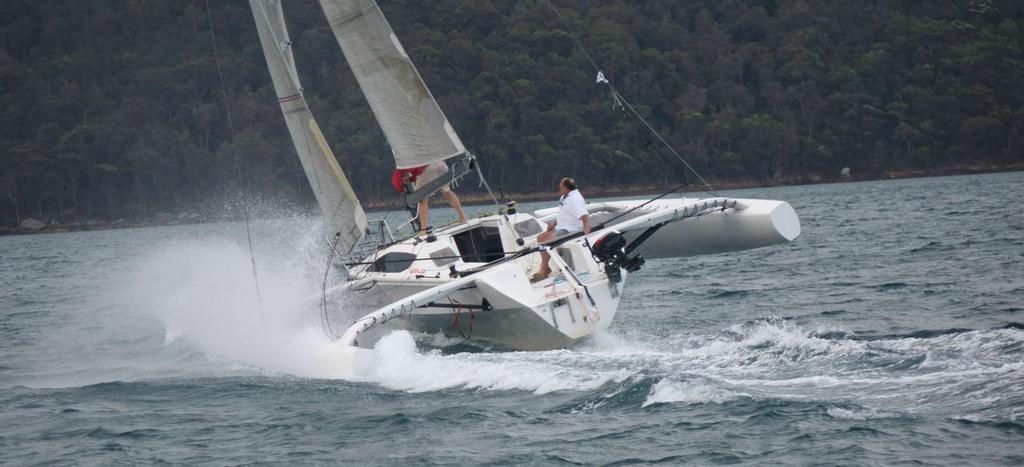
[752, 359]
[768, 360]
[668, 391]
[760, 356]
[723, 293]
[858, 413]
[890, 286]
[401, 366]
[202, 293]
[931, 246]
[920, 334]
[1013, 426]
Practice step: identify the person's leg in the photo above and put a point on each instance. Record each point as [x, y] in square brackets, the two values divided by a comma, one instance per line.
[424, 211]
[544, 256]
[544, 269]
[453, 201]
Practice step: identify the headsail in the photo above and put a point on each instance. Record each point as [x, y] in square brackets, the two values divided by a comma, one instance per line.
[341, 208]
[413, 123]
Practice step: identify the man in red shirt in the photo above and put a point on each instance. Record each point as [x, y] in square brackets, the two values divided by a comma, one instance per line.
[418, 176]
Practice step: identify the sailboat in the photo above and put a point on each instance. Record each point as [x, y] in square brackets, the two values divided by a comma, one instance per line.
[473, 279]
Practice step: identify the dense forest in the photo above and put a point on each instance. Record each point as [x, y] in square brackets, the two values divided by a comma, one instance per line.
[113, 108]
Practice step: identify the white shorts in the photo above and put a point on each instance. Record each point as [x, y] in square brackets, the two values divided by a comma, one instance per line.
[431, 172]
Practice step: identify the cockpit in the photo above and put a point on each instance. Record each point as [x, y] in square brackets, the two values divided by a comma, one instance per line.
[480, 240]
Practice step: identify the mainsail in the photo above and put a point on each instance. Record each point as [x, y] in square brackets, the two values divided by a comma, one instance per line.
[413, 123]
[342, 211]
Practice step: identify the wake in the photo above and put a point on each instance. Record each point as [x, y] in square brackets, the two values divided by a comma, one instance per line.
[203, 295]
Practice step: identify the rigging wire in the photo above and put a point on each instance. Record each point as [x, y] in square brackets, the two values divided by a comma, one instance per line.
[391, 206]
[497, 205]
[325, 320]
[483, 182]
[621, 100]
[432, 258]
[243, 186]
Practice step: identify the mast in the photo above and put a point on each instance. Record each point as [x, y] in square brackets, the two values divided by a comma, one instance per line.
[343, 215]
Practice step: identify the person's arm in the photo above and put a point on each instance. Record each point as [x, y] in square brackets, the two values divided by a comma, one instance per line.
[586, 223]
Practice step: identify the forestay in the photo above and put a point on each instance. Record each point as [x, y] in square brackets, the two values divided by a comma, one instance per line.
[413, 123]
[342, 211]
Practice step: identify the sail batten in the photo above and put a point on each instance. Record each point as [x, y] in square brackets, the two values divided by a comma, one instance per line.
[342, 212]
[416, 128]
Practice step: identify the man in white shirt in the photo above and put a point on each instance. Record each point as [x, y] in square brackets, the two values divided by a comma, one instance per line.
[572, 217]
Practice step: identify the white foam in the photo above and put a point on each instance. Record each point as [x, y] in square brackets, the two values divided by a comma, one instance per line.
[857, 413]
[401, 366]
[606, 341]
[668, 391]
[203, 292]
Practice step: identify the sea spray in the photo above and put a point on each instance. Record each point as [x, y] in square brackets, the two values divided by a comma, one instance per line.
[203, 292]
[401, 366]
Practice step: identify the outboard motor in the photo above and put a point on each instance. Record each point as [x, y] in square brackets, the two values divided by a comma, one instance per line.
[611, 250]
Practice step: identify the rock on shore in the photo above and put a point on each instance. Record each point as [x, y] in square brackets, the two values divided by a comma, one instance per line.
[32, 224]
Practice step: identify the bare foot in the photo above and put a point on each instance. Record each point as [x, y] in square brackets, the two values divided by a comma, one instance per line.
[539, 276]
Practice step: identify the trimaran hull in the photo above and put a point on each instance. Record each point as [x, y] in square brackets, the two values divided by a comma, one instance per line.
[473, 280]
[498, 307]
[760, 223]
[528, 321]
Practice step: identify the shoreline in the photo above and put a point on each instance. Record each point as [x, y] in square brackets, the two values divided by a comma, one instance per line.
[477, 199]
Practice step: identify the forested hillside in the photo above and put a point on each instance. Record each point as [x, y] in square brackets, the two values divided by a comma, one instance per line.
[112, 108]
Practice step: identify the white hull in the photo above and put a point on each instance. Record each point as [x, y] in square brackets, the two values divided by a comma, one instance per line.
[490, 298]
[550, 314]
[497, 304]
[754, 223]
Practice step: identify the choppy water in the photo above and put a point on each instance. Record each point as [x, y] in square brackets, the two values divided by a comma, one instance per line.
[891, 331]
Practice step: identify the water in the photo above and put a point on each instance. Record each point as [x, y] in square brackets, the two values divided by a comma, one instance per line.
[891, 331]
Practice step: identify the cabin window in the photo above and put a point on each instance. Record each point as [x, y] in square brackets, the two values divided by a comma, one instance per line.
[480, 245]
[528, 228]
[444, 256]
[393, 262]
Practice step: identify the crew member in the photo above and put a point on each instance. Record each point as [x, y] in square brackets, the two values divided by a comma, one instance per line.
[419, 176]
[572, 217]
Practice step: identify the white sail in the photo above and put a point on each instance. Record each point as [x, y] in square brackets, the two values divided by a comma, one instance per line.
[342, 211]
[413, 123]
